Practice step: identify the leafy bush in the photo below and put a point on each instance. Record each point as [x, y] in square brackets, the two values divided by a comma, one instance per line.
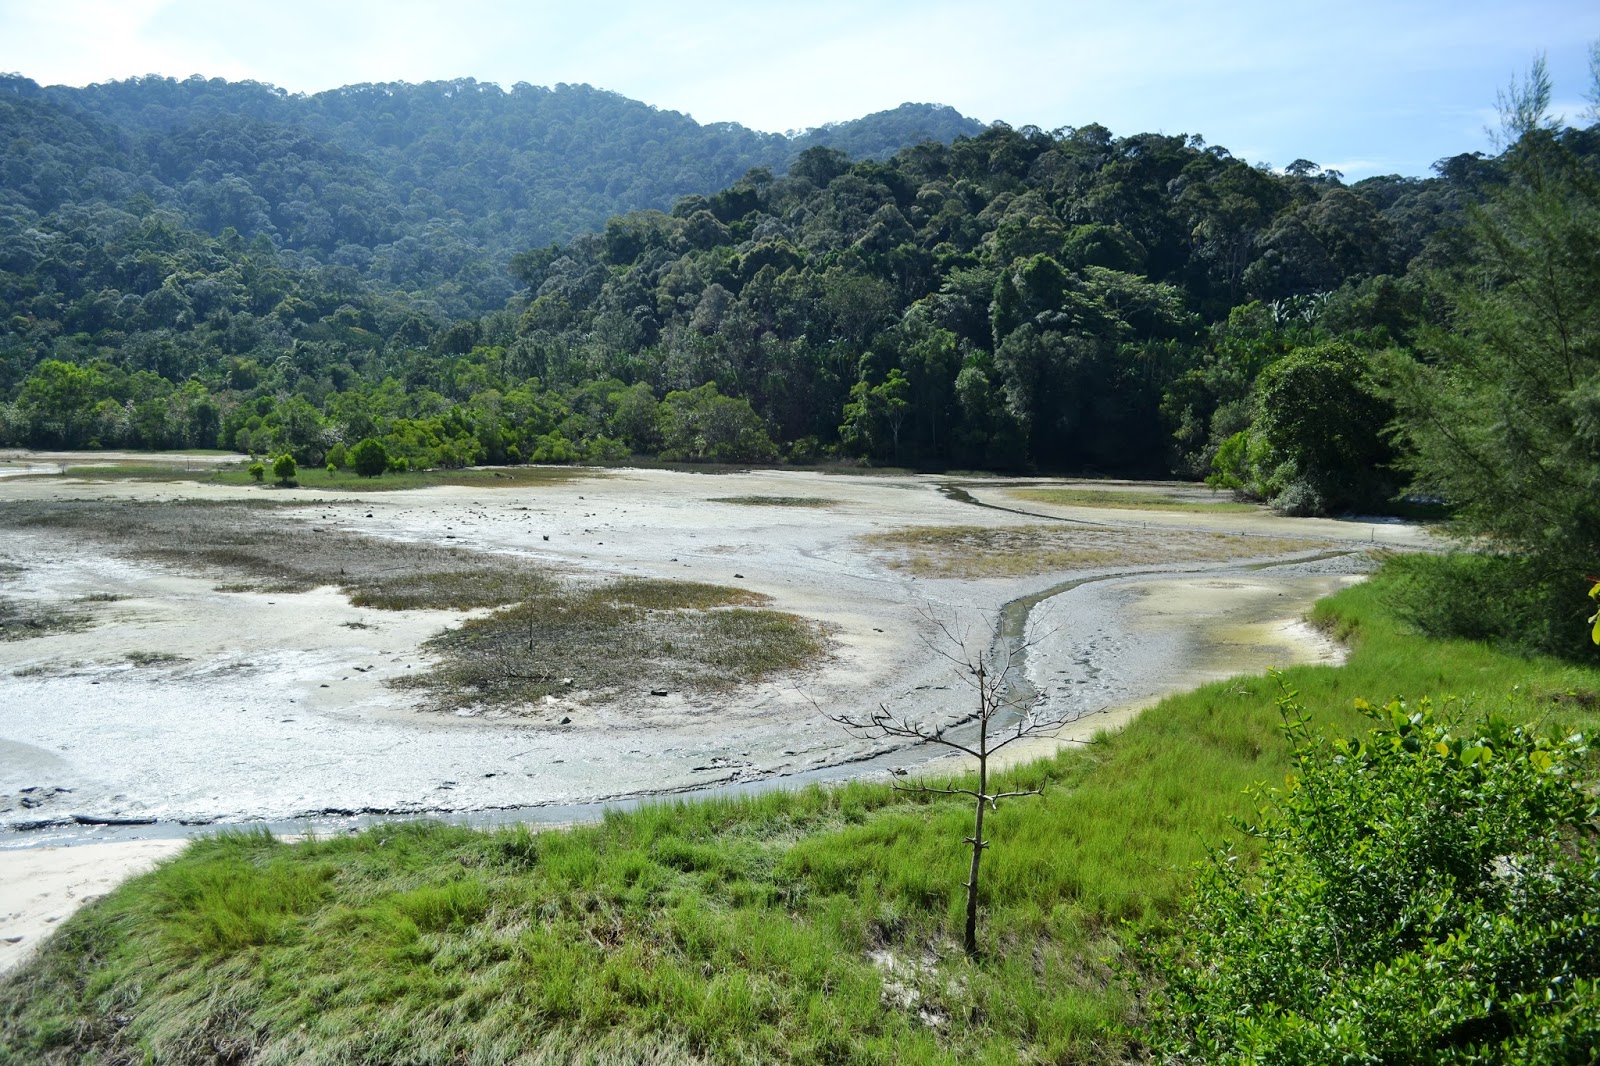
[1507, 600]
[554, 448]
[1421, 896]
[369, 458]
[284, 468]
[258, 472]
[702, 425]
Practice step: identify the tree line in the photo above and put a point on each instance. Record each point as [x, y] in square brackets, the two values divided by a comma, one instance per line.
[1066, 301]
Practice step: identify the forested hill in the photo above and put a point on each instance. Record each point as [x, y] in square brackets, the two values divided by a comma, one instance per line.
[1068, 301]
[425, 189]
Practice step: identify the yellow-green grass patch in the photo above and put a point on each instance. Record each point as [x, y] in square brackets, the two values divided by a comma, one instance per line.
[1132, 500]
[1015, 551]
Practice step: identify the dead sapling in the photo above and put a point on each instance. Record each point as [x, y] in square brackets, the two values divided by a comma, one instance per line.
[1006, 714]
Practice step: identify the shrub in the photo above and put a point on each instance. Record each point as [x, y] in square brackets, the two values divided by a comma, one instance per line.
[369, 458]
[554, 448]
[284, 468]
[1422, 896]
[1508, 600]
[258, 472]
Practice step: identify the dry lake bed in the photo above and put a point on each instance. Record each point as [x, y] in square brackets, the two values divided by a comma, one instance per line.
[166, 672]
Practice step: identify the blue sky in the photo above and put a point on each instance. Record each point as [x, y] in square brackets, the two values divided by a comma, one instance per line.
[1361, 86]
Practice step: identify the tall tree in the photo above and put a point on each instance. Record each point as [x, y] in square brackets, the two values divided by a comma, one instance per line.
[1502, 409]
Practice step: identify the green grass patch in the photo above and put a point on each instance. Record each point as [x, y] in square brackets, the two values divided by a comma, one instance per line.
[813, 926]
[135, 472]
[340, 481]
[1131, 500]
[775, 501]
[1016, 551]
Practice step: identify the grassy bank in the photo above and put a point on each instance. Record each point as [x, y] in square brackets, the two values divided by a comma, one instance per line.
[808, 927]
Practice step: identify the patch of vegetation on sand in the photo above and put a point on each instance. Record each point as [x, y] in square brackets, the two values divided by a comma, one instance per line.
[154, 658]
[1133, 500]
[775, 501]
[649, 632]
[1015, 551]
[127, 472]
[23, 619]
[790, 927]
[503, 477]
[255, 546]
[630, 633]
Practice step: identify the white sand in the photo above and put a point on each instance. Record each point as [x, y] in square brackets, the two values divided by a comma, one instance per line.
[278, 708]
[40, 887]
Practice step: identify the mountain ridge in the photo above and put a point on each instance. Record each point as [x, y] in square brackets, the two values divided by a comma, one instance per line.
[426, 188]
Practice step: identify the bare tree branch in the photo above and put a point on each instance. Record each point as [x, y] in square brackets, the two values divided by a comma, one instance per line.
[1006, 712]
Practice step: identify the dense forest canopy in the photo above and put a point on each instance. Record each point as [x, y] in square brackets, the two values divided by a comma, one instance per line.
[425, 189]
[202, 263]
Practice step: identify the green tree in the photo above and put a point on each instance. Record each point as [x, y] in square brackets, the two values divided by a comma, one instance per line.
[875, 415]
[58, 401]
[369, 458]
[284, 468]
[1321, 421]
[1501, 410]
[702, 425]
[1423, 895]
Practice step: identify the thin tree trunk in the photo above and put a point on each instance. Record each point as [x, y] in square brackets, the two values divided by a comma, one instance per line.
[971, 939]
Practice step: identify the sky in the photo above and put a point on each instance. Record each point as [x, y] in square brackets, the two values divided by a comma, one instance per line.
[1362, 87]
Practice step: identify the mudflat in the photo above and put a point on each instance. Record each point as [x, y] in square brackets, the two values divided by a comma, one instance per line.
[255, 663]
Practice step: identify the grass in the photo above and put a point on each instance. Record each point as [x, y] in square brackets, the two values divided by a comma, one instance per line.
[133, 472]
[154, 658]
[722, 930]
[775, 501]
[634, 632]
[24, 619]
[1014, 551]
[1140, 501]
[342, 481]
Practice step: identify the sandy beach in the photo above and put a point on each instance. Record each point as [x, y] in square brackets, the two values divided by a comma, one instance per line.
[41, 887]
